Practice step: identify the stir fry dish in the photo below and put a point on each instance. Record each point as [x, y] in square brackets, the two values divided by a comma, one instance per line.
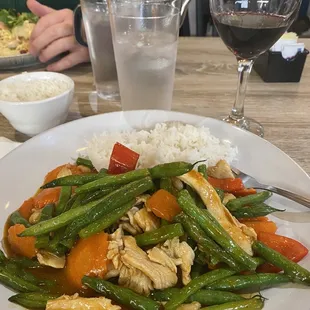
[174, 236]
[15, 32]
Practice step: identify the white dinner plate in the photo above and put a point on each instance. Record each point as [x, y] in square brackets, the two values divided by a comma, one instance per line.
[23, 170]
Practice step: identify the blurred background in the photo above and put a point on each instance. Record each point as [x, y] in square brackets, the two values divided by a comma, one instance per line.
[197, 23]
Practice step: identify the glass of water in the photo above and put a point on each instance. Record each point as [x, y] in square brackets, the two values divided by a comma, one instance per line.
[99, 41]
[145, 37]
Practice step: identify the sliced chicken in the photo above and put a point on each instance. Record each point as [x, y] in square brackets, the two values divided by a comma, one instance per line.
[240, 233]
[161, 276]
[137, 221]
[136, 270]
[157, 255]
[182, 254]
[147, 221]
[78, 303]
[228, 197]
[221, 170]
[46, 258]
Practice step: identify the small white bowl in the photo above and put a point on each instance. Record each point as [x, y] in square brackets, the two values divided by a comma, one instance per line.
[34, 117]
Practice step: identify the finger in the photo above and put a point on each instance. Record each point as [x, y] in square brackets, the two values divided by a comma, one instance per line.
[76, 57]
[57, 47]
[50, 35]
[55, 17]
[38, 9]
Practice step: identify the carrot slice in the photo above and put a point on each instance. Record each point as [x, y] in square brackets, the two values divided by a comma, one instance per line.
[269, 227]
[288, 247]
[164, 205]
[254, 219]
[24, 246]
[52, 175]
[46, 196]
[245, 192]
[227, 185]
[25, 209]
[88, 257]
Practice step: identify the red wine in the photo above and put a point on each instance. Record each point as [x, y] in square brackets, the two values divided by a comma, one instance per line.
[249, 34]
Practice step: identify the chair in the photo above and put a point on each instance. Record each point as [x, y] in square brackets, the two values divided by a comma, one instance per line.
[202, 17]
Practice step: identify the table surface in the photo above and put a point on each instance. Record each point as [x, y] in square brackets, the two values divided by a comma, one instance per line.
[205, 84]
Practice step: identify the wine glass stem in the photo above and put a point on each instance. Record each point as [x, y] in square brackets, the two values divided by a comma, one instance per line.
[244, 70]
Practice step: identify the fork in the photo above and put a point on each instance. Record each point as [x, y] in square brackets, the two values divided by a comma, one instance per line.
[295, 197]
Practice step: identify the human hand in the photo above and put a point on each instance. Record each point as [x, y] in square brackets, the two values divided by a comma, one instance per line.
[53, 35]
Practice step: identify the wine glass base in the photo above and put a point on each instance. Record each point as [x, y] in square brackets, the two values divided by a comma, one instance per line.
[248, 124]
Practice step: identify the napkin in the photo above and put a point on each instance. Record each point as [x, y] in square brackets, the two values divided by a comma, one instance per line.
[6, 146]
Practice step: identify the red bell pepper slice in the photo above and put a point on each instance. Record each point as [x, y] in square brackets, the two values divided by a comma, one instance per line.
[227, 185]
[288, 247]
[122, 159]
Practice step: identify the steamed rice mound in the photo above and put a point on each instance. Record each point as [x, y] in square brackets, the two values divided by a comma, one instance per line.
[167, 142]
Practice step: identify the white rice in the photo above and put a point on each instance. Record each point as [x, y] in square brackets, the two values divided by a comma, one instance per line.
[167, 142]
[32, 90]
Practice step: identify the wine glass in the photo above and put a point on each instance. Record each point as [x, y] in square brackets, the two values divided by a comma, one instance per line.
[249, 28]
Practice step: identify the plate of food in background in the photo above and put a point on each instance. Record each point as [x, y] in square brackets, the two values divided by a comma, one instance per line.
[15, 32]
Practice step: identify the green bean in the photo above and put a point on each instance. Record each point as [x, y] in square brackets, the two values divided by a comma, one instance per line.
[254, 211]
[251, 304]
[69, 242]
[215, 231]
[16, 283]
[173, 169]
[121, 295]
[47, 212]
[250, 283]
[32, 300]
[160, 235]
[13, 268]
[204, 297]
[42, 241]
[296, 272]
[25, 262]
[55, 246]
[202, 258]
[195, 285]
[113, 180]
[164, 222]
[220, 193]
[205, 244]
[2, 257]
[115, 199]
[107, 204]
[166, 184]
[16, 218]
[65, 195]
[78, 201]
[59, 221]
[235, 204]
[203, 170]
[106, 221]
[98, 194]
[84, 162]
[197, 270]
[74, 180]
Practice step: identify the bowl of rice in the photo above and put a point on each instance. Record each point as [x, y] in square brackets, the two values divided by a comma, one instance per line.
[37, 101]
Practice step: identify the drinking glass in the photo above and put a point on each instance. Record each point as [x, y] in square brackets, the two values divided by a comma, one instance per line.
[249, 28]
[96, 20]
[145, 37]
